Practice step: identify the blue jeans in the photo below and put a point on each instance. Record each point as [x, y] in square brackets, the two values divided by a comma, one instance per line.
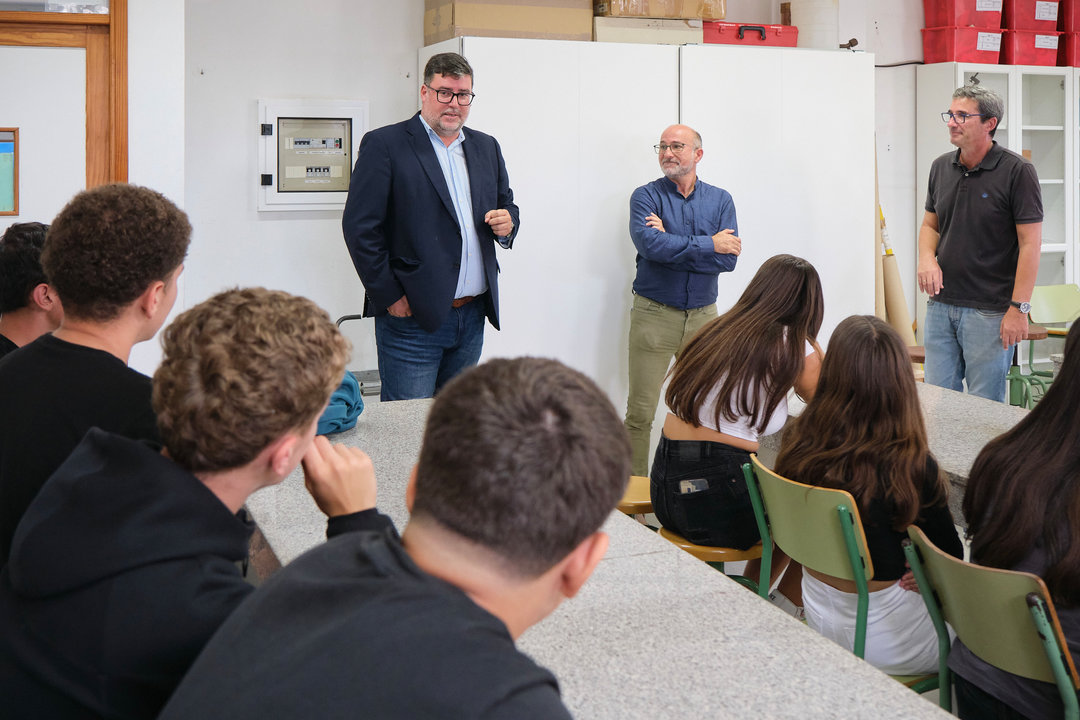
[965, 343]
[414, 363]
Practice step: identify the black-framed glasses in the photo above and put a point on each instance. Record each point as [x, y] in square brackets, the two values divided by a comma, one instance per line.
[960, 118]
[464, 98]
[676, 147]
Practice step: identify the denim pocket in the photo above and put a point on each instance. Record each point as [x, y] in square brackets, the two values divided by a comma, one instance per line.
[721, 515]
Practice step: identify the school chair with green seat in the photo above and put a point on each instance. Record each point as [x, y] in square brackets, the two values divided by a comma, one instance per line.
[1051, 305]
[1005, 617]
[821, 529]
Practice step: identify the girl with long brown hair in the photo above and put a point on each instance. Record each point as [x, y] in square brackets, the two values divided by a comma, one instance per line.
[1022, 506]
[729, 387]
[863, 432]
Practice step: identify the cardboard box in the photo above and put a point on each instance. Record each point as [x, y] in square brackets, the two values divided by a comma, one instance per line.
[674, 9]
[657, 31]
[547, 19]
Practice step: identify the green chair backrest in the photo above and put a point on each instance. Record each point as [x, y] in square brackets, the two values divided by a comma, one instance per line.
[989, 611]
[805, 523]
[1055, 304]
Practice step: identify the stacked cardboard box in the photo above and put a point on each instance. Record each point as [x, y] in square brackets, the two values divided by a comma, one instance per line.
[547, 19]
[657, 31]
[673, 9]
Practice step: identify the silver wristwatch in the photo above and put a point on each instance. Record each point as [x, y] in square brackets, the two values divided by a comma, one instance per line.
[1024, 307]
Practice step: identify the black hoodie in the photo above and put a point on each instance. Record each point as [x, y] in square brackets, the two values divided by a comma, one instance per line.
[120, 571]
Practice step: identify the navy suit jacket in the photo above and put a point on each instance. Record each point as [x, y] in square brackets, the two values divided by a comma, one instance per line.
[401, 228]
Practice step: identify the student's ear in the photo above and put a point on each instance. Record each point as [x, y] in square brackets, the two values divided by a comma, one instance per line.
[151, 298]
[43, 297]
[410, 490]
[581, 562]
[281, 454]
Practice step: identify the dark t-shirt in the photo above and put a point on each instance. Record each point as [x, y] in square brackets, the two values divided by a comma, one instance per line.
[6, 346]
[354, 629]
[884, 543]
[978, 211]
[53, 392]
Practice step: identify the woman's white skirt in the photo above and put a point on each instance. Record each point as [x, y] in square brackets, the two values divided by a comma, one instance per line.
[900, 637]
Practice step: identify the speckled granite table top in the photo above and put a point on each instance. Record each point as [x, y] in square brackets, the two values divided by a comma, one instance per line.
[654, 633]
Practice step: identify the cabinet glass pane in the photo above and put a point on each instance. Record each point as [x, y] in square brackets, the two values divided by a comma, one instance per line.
[1051, 269]
[1044, 100]
[1053, 197]
[1046, 150]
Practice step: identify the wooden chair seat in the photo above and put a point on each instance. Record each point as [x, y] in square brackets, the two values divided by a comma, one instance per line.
[636, 500]
[709, 553]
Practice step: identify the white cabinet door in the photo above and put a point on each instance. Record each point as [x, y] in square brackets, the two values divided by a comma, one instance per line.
[790, 133]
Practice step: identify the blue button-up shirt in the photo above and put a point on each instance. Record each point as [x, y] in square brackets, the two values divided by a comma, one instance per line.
[471, 279]
[679, 267]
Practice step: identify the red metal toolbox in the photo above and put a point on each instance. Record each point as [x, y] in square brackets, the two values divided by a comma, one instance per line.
[962, 13]
[1041, 15]
[961, 44]
[1027, 47]
[727, 33]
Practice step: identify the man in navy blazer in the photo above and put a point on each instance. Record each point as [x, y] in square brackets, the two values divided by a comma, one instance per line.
[427, 202]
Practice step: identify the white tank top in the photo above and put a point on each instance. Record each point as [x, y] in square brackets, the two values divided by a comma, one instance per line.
[741, 427]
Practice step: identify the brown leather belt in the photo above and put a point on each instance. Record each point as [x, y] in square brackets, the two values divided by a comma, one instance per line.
[458, 302]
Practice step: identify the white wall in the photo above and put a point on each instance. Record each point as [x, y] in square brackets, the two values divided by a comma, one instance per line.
[156, 119]
[243, 50]
[46, 100]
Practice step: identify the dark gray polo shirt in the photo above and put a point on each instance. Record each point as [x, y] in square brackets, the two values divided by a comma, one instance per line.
[978, 211]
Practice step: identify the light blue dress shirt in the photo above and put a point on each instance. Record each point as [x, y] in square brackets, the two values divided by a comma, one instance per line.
[471, 280]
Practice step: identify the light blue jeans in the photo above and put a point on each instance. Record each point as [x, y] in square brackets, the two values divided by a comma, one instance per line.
[965, 343]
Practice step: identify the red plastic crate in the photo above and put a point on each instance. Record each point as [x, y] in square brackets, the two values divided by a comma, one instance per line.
[961, 44]
[1069, 16]
[1041, 15]
[962, 13]
[726, 33]
[1027, 47]
[1069, 49]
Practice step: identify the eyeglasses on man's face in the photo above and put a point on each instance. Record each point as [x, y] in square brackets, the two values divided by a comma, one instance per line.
[960, 118]
[675, 147]
[445, 96]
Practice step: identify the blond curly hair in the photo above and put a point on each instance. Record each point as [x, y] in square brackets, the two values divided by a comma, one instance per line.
[240, 370]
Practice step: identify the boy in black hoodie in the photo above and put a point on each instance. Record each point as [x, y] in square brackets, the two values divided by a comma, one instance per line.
[125, 563]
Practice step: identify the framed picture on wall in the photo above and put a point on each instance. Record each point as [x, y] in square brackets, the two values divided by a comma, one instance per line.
[9, 171]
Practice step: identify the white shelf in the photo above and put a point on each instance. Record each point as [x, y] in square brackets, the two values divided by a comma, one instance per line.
[1043, 181]
[1045, 128]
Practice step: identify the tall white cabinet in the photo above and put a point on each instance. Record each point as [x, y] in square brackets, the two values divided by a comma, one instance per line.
[577, 122]
[1040, 122]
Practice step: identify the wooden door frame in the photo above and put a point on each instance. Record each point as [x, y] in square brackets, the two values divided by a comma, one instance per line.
[104, 37]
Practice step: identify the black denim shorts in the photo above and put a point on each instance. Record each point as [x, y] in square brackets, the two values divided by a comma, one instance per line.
[715, 510]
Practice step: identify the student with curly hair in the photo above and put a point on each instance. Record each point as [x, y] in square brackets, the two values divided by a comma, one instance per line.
[863, 432]
[113, 256]
[1022, 507]
[127, 561]
[29, 306]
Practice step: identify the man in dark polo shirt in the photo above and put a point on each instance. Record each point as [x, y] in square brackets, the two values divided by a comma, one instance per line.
[979, 248]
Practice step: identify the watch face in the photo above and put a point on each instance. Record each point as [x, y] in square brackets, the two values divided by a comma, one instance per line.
[1025, 308]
